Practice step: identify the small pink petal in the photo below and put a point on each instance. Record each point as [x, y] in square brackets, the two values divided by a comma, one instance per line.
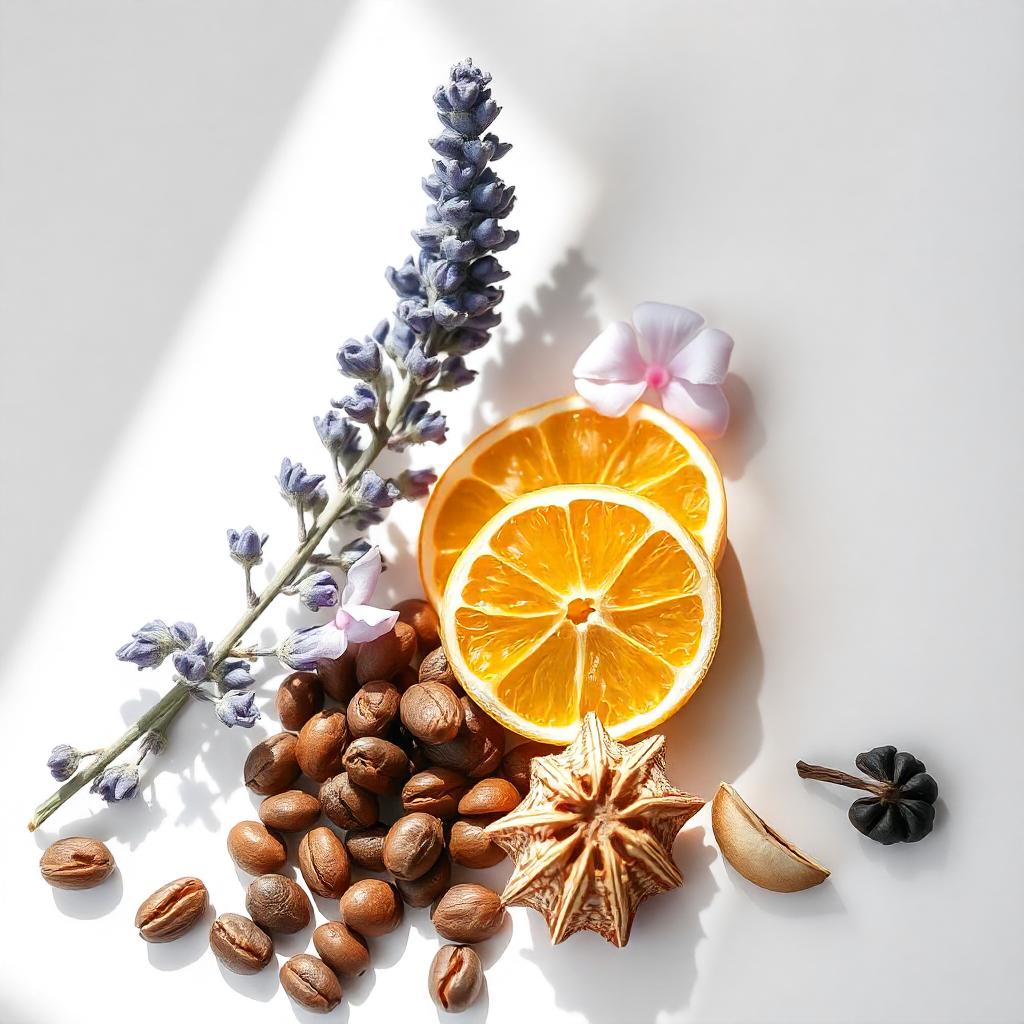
[702, 407]
[705, 360]
[342, 620]
[664, 330]
[610, 399]
[362, 578]
[368, 623]
[612, 356]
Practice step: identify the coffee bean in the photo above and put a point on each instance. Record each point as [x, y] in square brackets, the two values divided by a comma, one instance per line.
[515, 765]
[376, 765]
[373, 708]
[476, 750]
[468, 913]
[434, 668]
[472, 847]
[490, 796]
[383, 657]
[431, 712]
[299, 697]
[324, 863]
[255, 849]
[311, 983]
[277, 904]
[172, 910]
[412, 845]
[422, 891]
[342, 949]
[456, 978]
[338, 676]
[291, 811]
[366, 846]
[421, 616]
[240, 944]
[271, 766]
[76, 863]
[435, 791]
[321, 744]
[372, 907]
[348, 805]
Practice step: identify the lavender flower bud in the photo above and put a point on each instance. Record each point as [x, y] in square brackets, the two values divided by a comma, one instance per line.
[360, 359]
[421, 367]
[488, 233]
[63, 762]
[420, 424]
[237, 709]
[455, 374]
[372, 492]
[415, 483]
[184, 633]
[298, 486]
[405, 280]
[352, 552]
[149, 645]
[118, 782]
[361, 405]
[305, 647]
[339, 435]
[461, 250]
[447, 276]
[400, 339]
[448, 144]
[154, 742]
[447, 315]
[193, 663]
[246, 547]
[234, 674]
[319, 590]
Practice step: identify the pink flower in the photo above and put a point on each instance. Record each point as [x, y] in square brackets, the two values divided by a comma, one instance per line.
[356, 621]
[668, 351]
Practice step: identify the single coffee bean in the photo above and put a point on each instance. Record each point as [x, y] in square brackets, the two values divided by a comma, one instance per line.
[299, 697]
[277, 904]
[172, 910]
[311, 983]
[376, 764]
[366, 846]
[421, 616]
[321, 744]
[76, 863]
[348, 805]
[255, 849]
[240, 944]
[435, 791]
[383, 657]
[431, 712]
[372, 907]
[271, 766]
[472, 847]
[434, 668]
[324, 863]
[407, 677]
[412, 845]
[422, 891]
[291, 811]
[468, 913]
[338, 676]
[456, 978]
[373, 708]
[515, 765]
[476, 750]
[490, 796]
[342, 949]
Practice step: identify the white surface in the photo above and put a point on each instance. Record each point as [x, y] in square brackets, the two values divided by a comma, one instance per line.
[197, 203]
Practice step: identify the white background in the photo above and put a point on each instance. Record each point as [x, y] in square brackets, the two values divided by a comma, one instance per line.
[197, 201]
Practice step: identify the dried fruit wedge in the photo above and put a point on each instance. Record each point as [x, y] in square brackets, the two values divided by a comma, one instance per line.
[581, 598]
[645, 451]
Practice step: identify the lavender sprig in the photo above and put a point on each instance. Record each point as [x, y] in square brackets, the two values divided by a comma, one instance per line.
[447, 298]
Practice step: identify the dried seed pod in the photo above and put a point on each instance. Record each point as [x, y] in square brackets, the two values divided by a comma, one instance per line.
[76, 862]
[468, 913]
[299, 697]
[172, 910]
[321, 744]
[324, 863]
[310, 983]
[338, 676]
[291, 811]
[240, 944]
[515, 765]
[271, 766]
[456, 978]
[421, 616]
[490, 796]
[348, 805]
[342, 949]
[756, 850]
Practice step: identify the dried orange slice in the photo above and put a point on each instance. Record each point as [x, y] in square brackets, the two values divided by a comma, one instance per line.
[564, 441]
[581, 598]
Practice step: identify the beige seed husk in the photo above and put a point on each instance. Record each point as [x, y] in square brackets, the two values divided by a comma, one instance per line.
[756, 850]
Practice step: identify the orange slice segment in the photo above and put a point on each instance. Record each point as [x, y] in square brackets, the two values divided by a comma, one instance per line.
[577, 598]
[564, 441]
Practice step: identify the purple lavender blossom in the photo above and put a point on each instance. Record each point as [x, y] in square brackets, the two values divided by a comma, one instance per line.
[238, 709]
[194, 662]
[360, 359]
[415, 483]
[374, 493]
[302, 649]
[118, 782]
[149, 645]
[234, 674]
[360, 405]
[421, 367]
[246, 547]
[339, 435]
[299, 487]
[455, 374]
[63, 762]
[318, 590]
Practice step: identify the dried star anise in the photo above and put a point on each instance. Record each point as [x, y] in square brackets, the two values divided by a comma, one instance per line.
[901, 808]
[593, 837]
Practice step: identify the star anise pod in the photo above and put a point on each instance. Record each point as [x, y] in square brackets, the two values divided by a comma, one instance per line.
[593, 837]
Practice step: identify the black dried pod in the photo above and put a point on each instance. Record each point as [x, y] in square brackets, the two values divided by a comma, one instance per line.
[901, 808]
